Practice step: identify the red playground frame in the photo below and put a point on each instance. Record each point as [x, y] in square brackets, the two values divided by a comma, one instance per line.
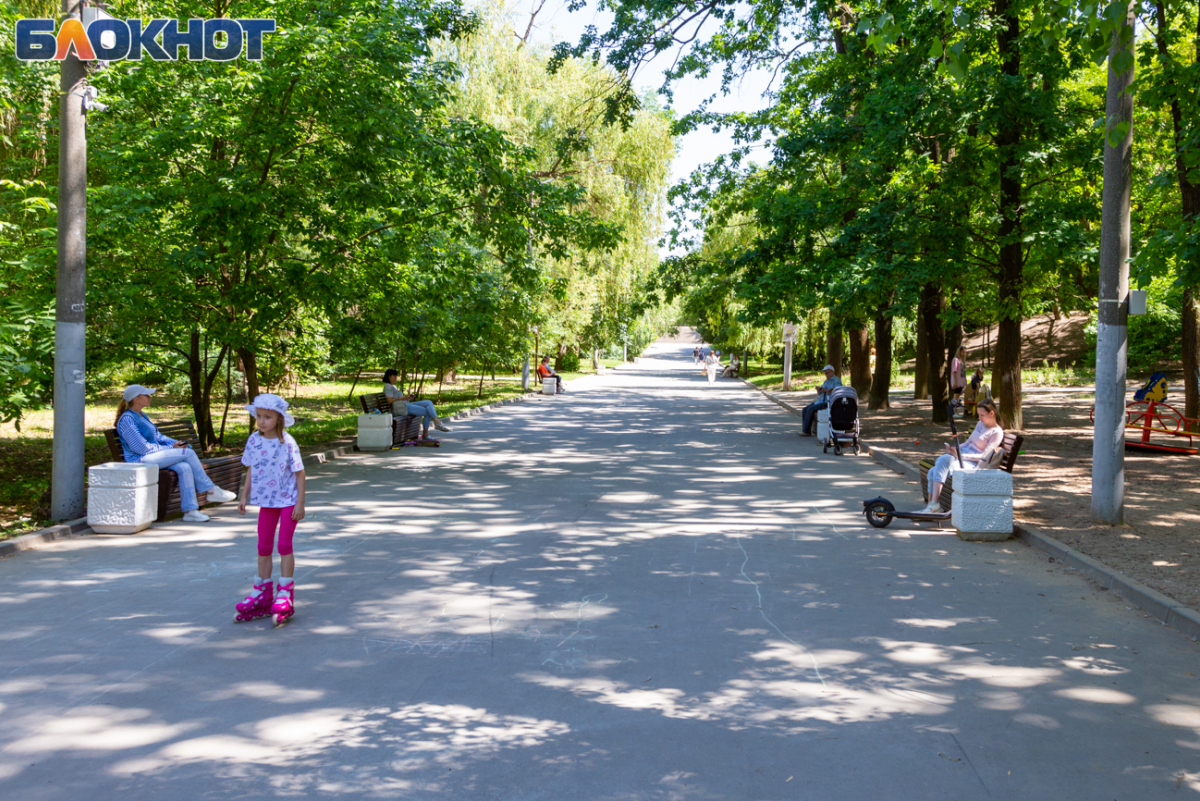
[1156, 417]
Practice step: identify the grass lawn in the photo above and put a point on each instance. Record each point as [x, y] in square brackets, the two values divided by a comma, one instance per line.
[322, 411]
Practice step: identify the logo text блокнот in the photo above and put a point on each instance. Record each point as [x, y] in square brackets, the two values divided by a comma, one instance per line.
[111, 39]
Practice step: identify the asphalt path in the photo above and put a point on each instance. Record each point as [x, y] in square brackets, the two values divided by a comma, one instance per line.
[647, 588]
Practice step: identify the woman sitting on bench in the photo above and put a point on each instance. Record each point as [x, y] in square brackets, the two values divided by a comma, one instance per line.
[987, 437]
[142, 442]
[404, 404]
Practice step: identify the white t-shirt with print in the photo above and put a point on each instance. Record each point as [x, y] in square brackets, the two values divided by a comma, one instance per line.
[273, 465]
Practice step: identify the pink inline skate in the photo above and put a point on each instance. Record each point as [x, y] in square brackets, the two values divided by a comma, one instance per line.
[257, 604]
[285, 603]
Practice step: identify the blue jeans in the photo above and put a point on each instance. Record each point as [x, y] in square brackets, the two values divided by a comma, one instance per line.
[810, 414]
[186, 464]
[422, 409]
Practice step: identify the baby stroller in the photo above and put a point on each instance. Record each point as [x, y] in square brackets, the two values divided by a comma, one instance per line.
[843, 421]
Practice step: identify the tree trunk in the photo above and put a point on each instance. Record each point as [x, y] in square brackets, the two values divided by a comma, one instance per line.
[250, 371]
[196, 387]
[881, 382]
[208, 437]
[353, 386]
[1006, 374]
[1112, 317]
[228, 398]
[932, 303]
[860, 360]
[835, 345]
[921, 362]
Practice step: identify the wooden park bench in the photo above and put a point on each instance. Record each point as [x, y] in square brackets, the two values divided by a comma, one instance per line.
[405, 429]
[224, 471]
[1011, 447]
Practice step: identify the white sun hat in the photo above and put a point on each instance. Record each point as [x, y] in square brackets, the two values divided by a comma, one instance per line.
[133, 390]
[273, 403]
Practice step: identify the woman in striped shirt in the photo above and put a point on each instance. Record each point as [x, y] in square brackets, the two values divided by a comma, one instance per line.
[142, 442]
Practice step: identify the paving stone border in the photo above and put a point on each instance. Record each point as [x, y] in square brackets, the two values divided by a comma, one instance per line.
[1166, 610]
[321, 454]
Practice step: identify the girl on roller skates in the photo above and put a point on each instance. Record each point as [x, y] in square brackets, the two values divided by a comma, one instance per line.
[275, 484]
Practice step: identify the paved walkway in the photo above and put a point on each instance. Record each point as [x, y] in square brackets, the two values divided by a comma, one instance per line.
[649, 588]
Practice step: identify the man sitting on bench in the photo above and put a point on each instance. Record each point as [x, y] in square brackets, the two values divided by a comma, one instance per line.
[404, 404]
[545, 371]
[832, 382]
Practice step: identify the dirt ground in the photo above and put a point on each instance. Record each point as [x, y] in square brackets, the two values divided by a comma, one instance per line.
[1160, 543]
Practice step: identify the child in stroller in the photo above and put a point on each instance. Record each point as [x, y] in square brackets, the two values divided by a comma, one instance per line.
[843, 421]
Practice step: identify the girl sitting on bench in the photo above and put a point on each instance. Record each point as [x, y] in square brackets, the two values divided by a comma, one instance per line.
[987, 437]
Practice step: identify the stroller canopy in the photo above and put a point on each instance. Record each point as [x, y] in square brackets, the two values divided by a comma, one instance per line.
[843, 392]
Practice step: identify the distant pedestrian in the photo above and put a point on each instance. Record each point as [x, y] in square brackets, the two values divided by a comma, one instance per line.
[958, 373]
[275, 484]
[712, 364]
[696, 355]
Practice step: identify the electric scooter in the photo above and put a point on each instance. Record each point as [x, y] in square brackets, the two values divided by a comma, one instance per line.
[880, 512]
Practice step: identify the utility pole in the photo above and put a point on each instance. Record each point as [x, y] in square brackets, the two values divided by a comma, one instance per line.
[1112, 334]
[67, 482]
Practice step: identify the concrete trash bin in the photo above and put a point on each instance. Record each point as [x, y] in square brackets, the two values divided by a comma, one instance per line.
[122, 498]
[374, 432]
[549, 386]
[601, 370]
[981, 505]
[822, 424]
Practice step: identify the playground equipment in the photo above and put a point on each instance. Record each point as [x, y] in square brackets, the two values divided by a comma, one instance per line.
[1149, 413]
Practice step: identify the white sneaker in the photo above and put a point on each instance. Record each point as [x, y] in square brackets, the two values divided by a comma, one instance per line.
[441, 427]
[219, 495]
[195, 516]
[934, 507]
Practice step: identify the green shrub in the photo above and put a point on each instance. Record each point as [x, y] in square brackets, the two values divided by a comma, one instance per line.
[570, 362]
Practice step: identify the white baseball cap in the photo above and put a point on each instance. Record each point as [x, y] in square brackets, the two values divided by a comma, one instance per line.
[274, 403]
[133, 390]
[828, 369]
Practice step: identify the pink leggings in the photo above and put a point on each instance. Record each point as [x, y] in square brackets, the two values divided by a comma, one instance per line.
[267, 520]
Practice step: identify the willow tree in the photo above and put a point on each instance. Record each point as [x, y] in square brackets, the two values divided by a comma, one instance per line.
[589, 296]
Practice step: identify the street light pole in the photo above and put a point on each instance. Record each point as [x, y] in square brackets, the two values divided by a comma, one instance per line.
[67, 482]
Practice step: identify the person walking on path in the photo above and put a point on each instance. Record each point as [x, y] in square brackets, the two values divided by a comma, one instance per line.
[405, 404]
[142, 442]
[696, 355]
[712, 364]
[275, 484]
[979, 447]
[831, 383]
[958, 374]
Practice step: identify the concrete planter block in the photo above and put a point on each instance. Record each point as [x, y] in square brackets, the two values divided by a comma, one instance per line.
[601, 370]
[374, 432]
[982, 482]
[549, 386]
[122, 498]
[981, 518]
